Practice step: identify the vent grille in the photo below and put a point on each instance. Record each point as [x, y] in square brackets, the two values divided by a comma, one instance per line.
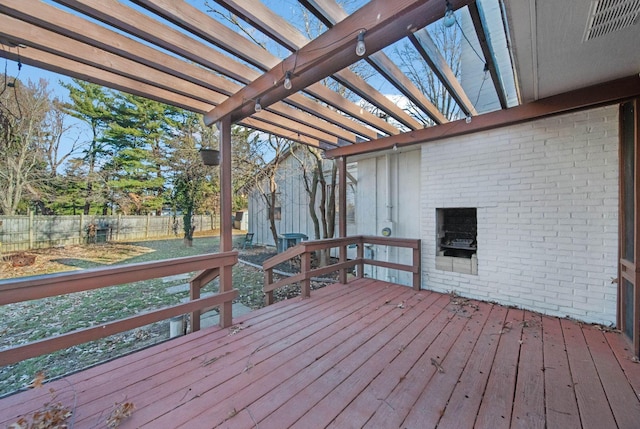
[607, 16]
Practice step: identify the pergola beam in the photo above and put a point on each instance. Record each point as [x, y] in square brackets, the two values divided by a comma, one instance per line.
[589, 97]
[384, 22]
[137, 62]
[47, 61]
[288, 36]
[212, 31]
[45, 40]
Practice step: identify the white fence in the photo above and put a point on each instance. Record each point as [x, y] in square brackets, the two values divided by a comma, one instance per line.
[19, 233]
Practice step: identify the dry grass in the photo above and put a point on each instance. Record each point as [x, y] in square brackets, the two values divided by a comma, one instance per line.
[59, 259]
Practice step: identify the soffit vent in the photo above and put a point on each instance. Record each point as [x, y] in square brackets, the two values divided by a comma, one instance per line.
[607, 16]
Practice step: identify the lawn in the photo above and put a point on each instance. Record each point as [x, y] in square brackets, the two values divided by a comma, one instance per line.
[28, 321]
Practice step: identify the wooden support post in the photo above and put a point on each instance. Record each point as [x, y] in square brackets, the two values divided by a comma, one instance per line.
[305, 267]
[360, 257]
[194, 293]
[342, 210]
[417, 266]
[226, 238]
[268, 279]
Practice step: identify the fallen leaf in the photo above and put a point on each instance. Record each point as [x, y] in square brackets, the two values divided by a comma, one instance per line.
[120, 412]
[437, 365]
[37, 381]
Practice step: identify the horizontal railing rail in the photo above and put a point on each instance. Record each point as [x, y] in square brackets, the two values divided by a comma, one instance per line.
[305, 249]
[26, 289]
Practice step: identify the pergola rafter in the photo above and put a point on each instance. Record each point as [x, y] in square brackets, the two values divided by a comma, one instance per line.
[384, 24]
[330, 12]
[207, 67]
[136, 53]
[284, 33]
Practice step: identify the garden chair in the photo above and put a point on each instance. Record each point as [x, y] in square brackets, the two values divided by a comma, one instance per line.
[248, 241]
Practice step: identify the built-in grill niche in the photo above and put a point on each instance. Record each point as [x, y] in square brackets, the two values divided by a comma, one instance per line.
[457, 232]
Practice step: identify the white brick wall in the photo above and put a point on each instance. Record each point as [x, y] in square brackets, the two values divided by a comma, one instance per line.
[547, 200]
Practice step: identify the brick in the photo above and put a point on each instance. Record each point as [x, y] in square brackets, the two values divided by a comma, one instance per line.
[547, 197]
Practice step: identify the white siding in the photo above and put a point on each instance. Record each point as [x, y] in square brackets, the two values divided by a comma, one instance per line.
[294, 203]
[400, 190]
[546, 194]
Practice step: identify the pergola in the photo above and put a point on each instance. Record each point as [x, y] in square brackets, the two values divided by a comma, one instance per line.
[564, 55]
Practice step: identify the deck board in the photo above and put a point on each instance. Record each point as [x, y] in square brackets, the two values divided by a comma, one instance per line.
[363, 390]
[365, 355]
[464, 404]
[619, 392]
[595, 411]
[528, 402]
[432, 401]
[495, 409]
[392, 411]
[560, 398]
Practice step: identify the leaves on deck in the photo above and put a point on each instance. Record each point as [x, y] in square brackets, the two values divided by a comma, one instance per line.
[120, 412]
[52, 414]
[235, 329]
[461, 303]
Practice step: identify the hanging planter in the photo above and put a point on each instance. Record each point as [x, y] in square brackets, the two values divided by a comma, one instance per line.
[210, 156]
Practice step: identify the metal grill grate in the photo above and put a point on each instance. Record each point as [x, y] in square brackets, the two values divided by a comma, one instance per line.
[607, 16]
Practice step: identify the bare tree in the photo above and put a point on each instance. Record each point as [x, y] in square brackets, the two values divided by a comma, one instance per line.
[23, 113]
[57, 128]
[315, 171]
[447, 39]
[264, 174]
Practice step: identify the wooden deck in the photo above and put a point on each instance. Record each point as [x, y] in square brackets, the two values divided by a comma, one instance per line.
[368, 354]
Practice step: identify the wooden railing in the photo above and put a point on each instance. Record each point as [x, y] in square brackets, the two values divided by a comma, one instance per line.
[25, 289]
[305, 249]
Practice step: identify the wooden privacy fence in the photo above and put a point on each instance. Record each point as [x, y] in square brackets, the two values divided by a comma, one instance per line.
[19, 233]
[305, 249]
[25, 289]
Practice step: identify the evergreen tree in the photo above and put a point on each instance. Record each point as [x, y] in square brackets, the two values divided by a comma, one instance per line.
[91, 104]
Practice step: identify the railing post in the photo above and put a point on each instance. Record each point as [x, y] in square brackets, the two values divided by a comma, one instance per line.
[305, 267]
[194, 293]
[268, 280]
[417, 267]
[359, 258]
[342, 277]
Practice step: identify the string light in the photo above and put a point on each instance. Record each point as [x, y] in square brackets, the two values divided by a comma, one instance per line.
[287, 81]
[258, 106]
[361, 48]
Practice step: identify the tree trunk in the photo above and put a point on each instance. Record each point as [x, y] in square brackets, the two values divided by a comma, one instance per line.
[187, 218]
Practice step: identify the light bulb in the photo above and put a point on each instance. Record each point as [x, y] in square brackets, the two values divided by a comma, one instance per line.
[258, 106]
[449, 16]
[287, 80]
[360, 46]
